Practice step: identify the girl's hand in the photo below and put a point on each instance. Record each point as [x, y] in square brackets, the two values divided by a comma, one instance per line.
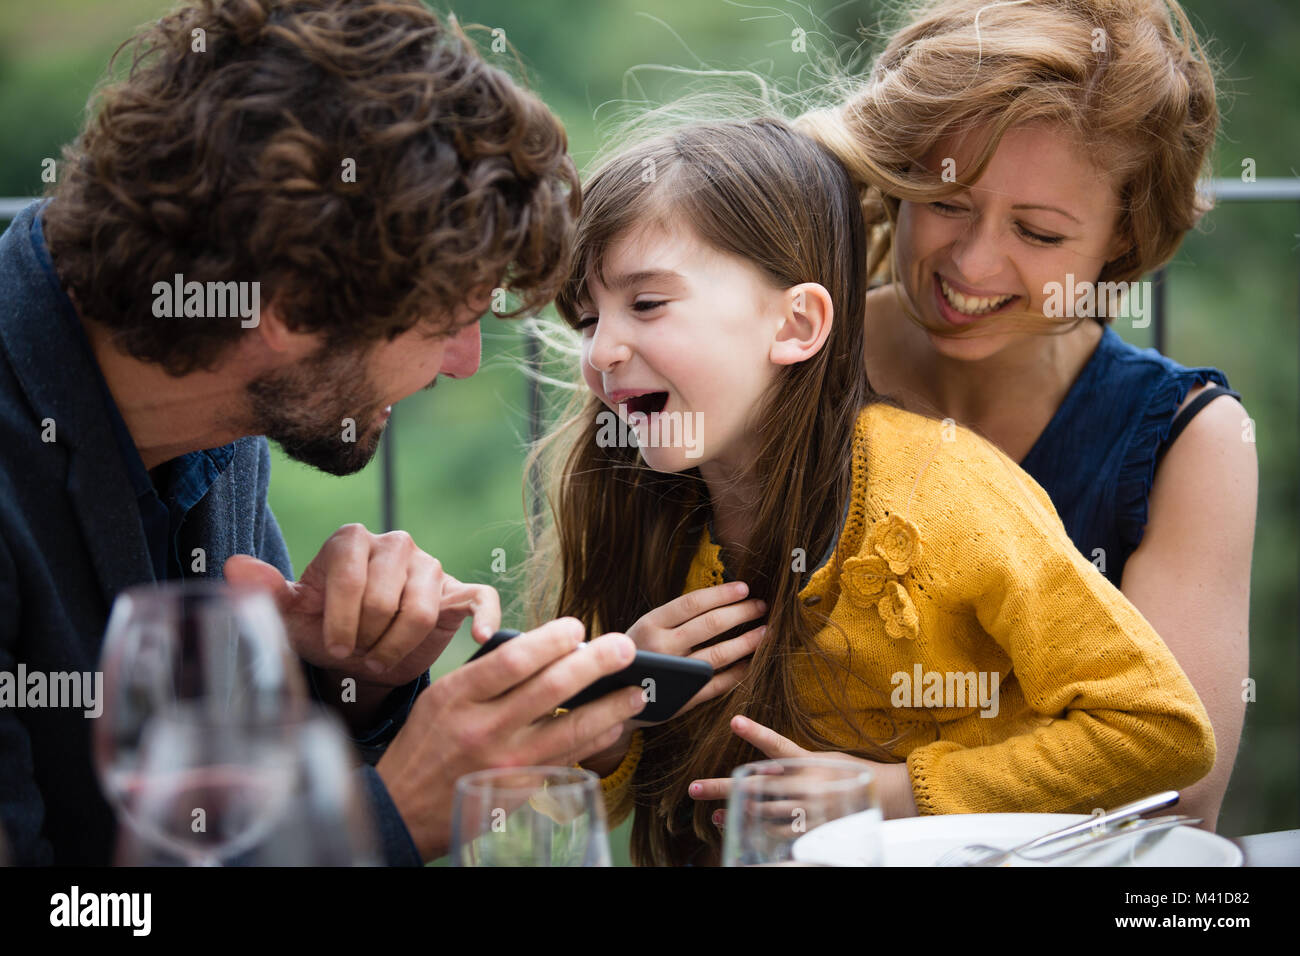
[895, 791]
[696, 618]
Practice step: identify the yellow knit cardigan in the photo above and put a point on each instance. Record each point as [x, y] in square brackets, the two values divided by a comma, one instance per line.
[953, 562]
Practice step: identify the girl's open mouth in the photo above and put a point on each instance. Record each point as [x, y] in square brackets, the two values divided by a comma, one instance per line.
[648, 404]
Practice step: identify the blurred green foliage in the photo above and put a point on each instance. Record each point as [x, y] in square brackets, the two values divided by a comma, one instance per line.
[459, 449]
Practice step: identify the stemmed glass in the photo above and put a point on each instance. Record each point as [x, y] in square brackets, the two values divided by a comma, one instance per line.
[211, 656]
[285, 795]
[775, 803]
[529, 816]
[327, 821]
[207, 792]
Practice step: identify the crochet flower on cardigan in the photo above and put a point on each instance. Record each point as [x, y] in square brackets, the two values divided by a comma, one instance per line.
[897, 541]
[864, 579]
[898, 612]
[873, 581]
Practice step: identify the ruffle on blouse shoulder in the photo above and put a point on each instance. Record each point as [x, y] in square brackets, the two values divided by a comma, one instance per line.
[1137, 473]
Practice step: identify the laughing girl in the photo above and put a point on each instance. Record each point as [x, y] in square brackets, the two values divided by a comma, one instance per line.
[721, 274]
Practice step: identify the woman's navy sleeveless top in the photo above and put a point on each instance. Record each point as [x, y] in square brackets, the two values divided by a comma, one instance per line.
[1097, 456]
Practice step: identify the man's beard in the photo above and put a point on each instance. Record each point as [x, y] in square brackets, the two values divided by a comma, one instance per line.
[303, 409]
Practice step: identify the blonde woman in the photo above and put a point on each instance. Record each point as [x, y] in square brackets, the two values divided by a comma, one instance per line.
[1018, 163]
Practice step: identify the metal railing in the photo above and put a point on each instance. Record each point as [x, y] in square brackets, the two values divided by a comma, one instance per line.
[1274, 189]
[1223, 190]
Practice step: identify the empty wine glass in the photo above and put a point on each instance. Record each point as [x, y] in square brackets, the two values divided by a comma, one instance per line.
[322, 820]
[327, 821]
[205, 791]
[214, 649]
[529, 816]
[776, 803]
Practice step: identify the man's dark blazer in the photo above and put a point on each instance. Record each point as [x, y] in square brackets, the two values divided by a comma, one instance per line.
[71, 538]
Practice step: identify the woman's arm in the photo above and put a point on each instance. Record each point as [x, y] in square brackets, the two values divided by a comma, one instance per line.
[1190, 577]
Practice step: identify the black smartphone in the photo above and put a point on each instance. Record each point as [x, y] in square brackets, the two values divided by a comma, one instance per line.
[667, 682]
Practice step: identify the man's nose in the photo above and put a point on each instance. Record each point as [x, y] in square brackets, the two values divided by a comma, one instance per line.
[464, 351]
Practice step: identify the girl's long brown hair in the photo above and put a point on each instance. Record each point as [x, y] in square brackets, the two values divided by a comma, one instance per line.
[625, 534]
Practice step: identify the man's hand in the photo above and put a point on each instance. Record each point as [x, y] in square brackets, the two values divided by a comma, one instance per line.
[497, 712]
[371, 606]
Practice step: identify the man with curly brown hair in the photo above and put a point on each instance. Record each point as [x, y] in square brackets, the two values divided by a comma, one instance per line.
[286, 217]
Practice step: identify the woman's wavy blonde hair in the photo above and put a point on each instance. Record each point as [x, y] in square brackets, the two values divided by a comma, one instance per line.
[1129, 78]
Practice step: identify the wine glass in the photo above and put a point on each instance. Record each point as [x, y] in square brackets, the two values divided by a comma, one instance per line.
[322, 820]
[529, 816]
[206, 791]
[199, 644]
[328, 819]
[775, 803]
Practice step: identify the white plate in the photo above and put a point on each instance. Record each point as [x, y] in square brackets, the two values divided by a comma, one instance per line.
[919, 841]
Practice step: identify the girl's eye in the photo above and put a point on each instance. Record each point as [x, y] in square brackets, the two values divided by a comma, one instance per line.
[647, 305]
[586, 322]
[1044, 240]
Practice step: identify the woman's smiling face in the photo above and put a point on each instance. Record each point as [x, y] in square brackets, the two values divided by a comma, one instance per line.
[1040, 212]
[681, 331]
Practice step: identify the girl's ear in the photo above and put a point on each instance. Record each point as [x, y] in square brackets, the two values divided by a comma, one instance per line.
[806, 318]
